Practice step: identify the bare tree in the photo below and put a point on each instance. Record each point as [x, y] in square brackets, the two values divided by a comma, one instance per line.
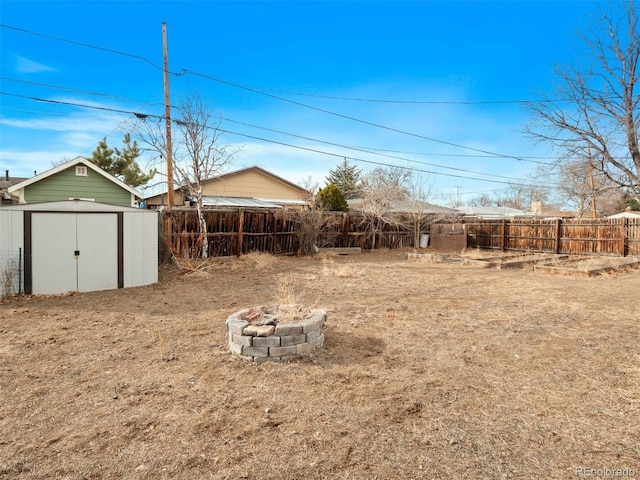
[310, 185]
[575, 188]
[420, 188]
[198, 153]
[521, 196]
[603, 113]
[587, 191]
[381, 189]
[483, 200]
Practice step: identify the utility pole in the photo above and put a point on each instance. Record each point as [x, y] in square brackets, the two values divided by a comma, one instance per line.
[458, 200]
[168, 153]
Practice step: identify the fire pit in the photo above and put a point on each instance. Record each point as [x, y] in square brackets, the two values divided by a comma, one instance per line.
[275, 333]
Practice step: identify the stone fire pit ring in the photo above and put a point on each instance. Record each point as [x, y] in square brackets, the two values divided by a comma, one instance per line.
[256, 334]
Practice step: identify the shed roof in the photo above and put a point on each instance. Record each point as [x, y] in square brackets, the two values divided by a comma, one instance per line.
[72, 206]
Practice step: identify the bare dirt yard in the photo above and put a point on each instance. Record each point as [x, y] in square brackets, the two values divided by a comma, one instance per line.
[429, 370]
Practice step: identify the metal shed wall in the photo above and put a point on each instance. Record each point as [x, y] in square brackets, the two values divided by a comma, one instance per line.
[119, 245]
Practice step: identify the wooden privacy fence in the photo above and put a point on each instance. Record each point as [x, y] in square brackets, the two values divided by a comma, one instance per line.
[619, 237]
[240, 231]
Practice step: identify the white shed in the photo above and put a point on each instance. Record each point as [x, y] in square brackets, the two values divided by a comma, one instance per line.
[81, 245]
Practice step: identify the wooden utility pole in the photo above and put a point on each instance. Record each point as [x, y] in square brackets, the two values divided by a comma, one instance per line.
[169, 152]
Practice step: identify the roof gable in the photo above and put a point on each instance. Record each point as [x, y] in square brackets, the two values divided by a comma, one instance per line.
[261, 171]
[60, 168]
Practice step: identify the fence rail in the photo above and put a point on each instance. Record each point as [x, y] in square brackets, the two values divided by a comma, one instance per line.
[620, 237]
[240, 231]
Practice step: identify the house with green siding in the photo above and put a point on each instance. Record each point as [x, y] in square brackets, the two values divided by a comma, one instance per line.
[78, 179]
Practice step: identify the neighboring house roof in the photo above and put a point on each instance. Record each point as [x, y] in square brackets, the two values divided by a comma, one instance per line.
[555, 214]
[5, 183]
[212, 201]
[18, 189]
[626, 214]
[493, 212]
[252, 183]
[235, 173]
[71, 163]
[402, 206]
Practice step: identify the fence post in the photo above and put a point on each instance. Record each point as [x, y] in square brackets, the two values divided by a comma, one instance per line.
[274, 226]
[240, 227]
[504, 234]
[557, 239]
[624, 234]
[345, 232]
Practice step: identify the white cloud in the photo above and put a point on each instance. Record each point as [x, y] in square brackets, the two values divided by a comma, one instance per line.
[25, 162]
[25, 65]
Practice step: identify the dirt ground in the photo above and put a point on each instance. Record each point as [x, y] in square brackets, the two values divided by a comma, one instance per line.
[430, 370]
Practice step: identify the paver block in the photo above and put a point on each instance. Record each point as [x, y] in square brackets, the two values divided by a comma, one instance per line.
[287, 340]
[235, 348]
[236, 326]
[288, 329]
[318, 342]
[266, 341]
[260, 330]
[313, 335]
[314, 322]
[283, 351]
[255, 351]
[241, 339]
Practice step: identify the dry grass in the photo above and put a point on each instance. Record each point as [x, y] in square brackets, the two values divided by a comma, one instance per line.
[288, 303]
[258, 261]
[431, 371]
[342, 269]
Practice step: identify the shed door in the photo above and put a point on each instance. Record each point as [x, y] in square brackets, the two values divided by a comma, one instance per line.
[74, 252]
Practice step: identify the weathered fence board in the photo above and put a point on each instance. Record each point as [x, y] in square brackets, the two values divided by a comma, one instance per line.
[576, 236]
[240, 231]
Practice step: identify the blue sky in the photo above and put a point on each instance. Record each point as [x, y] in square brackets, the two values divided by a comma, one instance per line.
[435, 86]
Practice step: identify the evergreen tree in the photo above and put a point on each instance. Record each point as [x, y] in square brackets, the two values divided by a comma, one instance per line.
[332, 199]
[122, 163]
[348, 179]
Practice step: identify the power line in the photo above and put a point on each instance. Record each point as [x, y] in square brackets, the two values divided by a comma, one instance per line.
[360, 149]
[260, 92]
[365, 150]
[144, 116]
[81, 44]
[528, 159]
[424, 102]
[372, 162]
[69, 89]
[72, 104]
[330, 97]
[347, 117]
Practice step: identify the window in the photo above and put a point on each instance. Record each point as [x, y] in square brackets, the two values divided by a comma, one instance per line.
[81, 171]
